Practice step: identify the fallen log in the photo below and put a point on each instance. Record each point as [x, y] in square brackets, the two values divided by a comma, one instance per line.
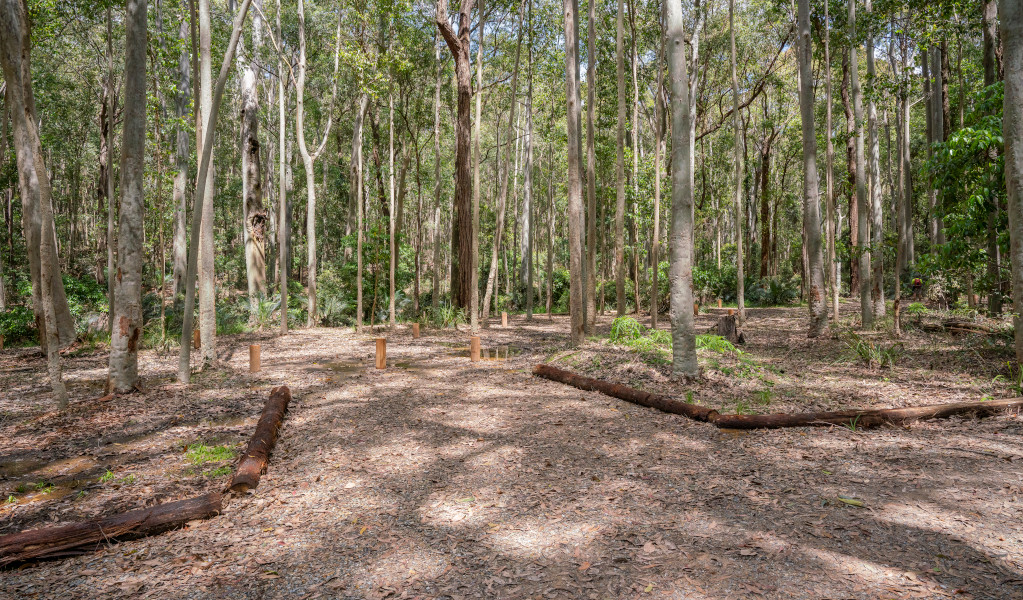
[257, 454]
[624, 392]
[852, 418]
[65, 540]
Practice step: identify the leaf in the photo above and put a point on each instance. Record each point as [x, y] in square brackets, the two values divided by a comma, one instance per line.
[584, 566]
[851, 501]
[649, 588]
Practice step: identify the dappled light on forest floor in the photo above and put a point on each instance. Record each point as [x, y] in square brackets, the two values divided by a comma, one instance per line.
[440, 478]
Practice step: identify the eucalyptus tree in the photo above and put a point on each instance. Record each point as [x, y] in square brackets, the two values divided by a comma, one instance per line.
[255, 213]
[683, 333]
[49, 302]
[811, 198]
[591, 175]
[127, 316]
[862, 208]
[740, 292]
[461, 238]
[1012, 127]
[619, 243]
[575, 200]
[874, 171]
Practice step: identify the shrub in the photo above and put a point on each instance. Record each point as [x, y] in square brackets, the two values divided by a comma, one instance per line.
[625, 329]
[17, 325]
[874, 355]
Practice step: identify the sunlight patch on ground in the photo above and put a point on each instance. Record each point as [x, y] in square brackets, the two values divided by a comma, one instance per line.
[533, 537]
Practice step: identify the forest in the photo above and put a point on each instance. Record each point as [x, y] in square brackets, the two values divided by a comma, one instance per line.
[507, 274]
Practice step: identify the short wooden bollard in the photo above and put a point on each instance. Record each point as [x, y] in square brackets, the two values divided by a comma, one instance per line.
[381, 353]
[474, 348]
[253, 358]
[719, 302]
[415, 330]
[504, 319]
[731, 311]
[696, 309]
[195, 338]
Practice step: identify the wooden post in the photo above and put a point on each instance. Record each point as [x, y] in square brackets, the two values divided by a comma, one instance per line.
[1, 342]
[719, 302]
[253, 358]
[195, 338]
[696, 309]
[731, 311]
[474, 348]
[381, 353]
[415, 331]
[504, 319]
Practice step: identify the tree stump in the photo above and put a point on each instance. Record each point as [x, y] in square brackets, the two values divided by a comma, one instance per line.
[728, 328]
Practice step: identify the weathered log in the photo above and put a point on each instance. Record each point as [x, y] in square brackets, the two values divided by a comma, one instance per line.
[623, 392]
[253, 462]
[852, 418]
[65, 540]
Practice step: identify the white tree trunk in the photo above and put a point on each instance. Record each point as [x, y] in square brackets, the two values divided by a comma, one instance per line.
[683, 333]
[127, 318]
[1012, 129]
[575, 192]
[863, 209]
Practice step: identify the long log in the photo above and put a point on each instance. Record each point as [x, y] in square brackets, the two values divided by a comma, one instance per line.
[853, 418]
[257, 454]
[64, 540]
[624, 392]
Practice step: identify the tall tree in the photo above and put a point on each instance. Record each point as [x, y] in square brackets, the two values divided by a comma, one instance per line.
[356, 199]
[591, 173]
[683, 333]
[309, 158]
[127, 317]
[504, 167]
[255, 213]
[527, 184]
[575, 200]
[1012, 128]
[989, 11]
[283, 239]
[207, 266]
[205, 158]
[811, 198]
[829, 227]
[874, 168]
[461, 238]
[48, 300]
[181, 111]
[863, 209]
[739, 153]
[474, 288]
[620, 167]
[435, 291]
[655, 245]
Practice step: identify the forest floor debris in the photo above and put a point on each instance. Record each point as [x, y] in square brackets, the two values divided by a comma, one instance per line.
[441, 478]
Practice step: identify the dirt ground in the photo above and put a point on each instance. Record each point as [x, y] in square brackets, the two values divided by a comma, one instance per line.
[441, 478]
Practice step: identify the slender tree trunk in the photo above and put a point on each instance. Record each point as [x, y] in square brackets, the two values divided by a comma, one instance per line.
[620, 167]
[109, 181]
[591, 173]
[127, 317]
[527, 183]
[989, 9]
[356, 200]
[184, 356]
[575, 201]
[634, 59]
[832, 264]
[34, 188]
[435, 291]
[255, 213]
[283, 220]
[811, 201]
[863, 209]
[392, 214]
[207, 274]
[181, 106]
[655, 247]
[850, 156]
[739, 152]
[876, 220]
[1012, 119]
[461, 237]
[683, 334]
[309, 158]
[474, 256]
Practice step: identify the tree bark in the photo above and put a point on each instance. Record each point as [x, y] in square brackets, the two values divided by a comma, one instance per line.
[184, 356]
[814, 276]
[591, 176]
[127, 317]
[655, 246]
[683, 334]
[53, 318]
[527, 182]
[832, 264]
[989, 10]
[461, 238]
[181, 111]
[575, 201]
[435, 291]
[620, 168]
[256, 216]
[850, 157]
[740, 277]
[863, 209]
[283, 220]
[1012, 130]
[874, 162]
[474, 254]
[356, 200]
